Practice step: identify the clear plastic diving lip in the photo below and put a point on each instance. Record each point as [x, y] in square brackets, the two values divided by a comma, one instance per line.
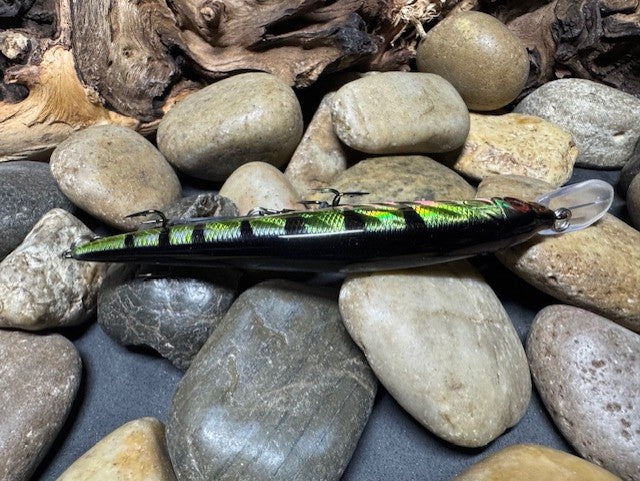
[588, 201]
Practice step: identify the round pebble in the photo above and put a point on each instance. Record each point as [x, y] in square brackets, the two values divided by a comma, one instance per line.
[443, 346]
[248, 117]
[587, 370]
[597, 268]
[517, 144]
[605, 122]
[258, 184]
[111, 172]
[478, 54]
[629, 172]
[27, 192]
[400, 113]
[530, 462]
[633, 201]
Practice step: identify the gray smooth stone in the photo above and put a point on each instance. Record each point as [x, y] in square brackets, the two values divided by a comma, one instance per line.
[633, 201]
[39, 377]
[279, 391]
[27, 192]
[605, 122]
[173, 313]
[587, 370]
[629, 172]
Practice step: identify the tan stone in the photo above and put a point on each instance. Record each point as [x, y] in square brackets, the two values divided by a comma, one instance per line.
[517, 144]
[111, 172]
[443, 346]
[400, 113]
[258, 184]
[633, 201]
[597, 268]
[531, 462]
[249, 117]
[483, 60]
[39, 289]
[135, 451]
[320, 156]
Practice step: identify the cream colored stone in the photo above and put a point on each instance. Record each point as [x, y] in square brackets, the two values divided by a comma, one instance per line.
[258, 184]
[400, 113]
[111, 172]
[40, 289]
[517, 144]
[320, 156]
[597, 268]
[443, 346]
[135, 451]
[249, 117]
[531, 462]
[483, 60]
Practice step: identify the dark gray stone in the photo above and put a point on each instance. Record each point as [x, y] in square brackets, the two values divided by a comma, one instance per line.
[587, 370]
[279, 391]
[27, 192]
[207, 204]
[629, 171]
[39, 377]
[173, 312]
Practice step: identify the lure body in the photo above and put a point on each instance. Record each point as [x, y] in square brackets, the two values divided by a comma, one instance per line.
[342, 238]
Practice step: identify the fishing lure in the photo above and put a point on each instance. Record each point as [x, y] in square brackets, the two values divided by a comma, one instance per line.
[353, 237]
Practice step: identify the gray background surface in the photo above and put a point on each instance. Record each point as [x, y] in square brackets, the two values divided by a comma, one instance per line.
[120, 384]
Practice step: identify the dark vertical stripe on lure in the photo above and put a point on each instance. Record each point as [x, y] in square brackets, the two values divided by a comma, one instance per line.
[246, 231]
[163, 238]
[292, 225]
[129, 241]
[412, 218]
[353, 220]
[197, 235]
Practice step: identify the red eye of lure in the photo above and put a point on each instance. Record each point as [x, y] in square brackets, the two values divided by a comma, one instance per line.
[355, 237]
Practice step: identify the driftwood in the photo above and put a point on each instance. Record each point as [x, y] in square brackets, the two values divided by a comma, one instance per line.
[68, 64]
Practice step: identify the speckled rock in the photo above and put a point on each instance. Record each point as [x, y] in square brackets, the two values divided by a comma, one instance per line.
[406, 177]
[39, 289]
[531, 462]
[172, 311]
[248, 117]
[320, 156]
[27, 192]
[605, 122]
[629, 172]
[400, 113]
[207, 204]
[516, 144]
[135, 451]
[39, 377]
[443, 346]
[597, 268]
[111, 172]
[258, 184]
[633, 201]
[587, 370]
[278, 392]
[478, 54]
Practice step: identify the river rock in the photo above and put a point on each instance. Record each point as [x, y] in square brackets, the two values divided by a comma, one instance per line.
[478, 54]
[39, 289]
[320, 156]
[27, 192]
[258, 184]
[400, 178]
[605, 122]
[597, 268]
[249, 117]
[530, 462]
[279, 391]
[111, 171]
[443, 346]
[39, 377]
[633, 201]
[400, 113]
[517, 144]
[172, 310]
[207, 204]
[134, 451]
[587, 370]
[629, 172]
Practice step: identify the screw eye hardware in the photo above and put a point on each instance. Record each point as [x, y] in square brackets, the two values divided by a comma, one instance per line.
[563, 219]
